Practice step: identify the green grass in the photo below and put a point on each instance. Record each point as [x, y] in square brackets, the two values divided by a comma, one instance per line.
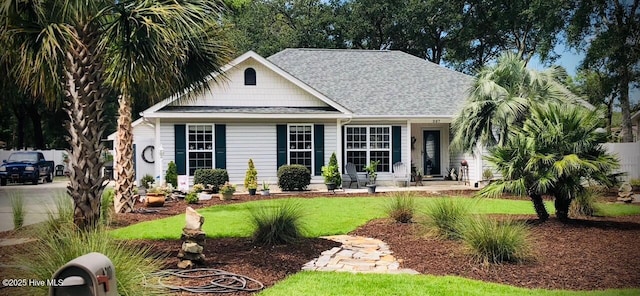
[333, 283]
[17, 208]
[323, 216]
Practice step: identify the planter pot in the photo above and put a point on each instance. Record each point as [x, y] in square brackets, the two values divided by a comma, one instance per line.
[371, 189]
[265, 192]
[226, 196]
[154, 200]
[331, 186]
[252, 191]
[204, 196]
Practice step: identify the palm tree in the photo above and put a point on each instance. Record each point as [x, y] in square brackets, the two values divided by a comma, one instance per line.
[86, 48]
[500, 98]
[155, 53]
[557, 148]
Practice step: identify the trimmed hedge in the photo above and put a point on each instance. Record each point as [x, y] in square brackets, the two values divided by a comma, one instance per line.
[214, 177]
[293, 177]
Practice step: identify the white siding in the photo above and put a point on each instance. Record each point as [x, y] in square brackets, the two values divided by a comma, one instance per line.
[456, 158]
[167, 141]
[143, 136]
[330, 141]
[256, 141]
[270, 90]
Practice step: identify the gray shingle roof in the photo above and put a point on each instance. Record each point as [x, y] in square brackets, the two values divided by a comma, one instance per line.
[371, 82]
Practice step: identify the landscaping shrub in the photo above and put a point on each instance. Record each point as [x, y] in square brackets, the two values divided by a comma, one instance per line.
[191, 198]
[171, 177]
[61, 216]
[293, 177]
[251, 176]
[277, 224]
[17, 207]
[213, 177]
[133, 263]
[146, 181]
[401, 206]
[106, 206]
[492, 241]
[446, 215]
[584, 204]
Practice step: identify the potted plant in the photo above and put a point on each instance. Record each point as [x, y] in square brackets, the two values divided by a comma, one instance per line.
[418, 177]
[635, 185]
[226, 191]
[372, 176]
[331, 174]
[155, 196]
[265, 188]
[487, 175]
[251, 178]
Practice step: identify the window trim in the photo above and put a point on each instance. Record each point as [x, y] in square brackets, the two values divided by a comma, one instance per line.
[188, 149]
[368, 148]
[289, 150]
[255, 76]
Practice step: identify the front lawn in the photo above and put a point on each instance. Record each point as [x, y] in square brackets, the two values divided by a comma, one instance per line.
[324, 216]
[334, 283]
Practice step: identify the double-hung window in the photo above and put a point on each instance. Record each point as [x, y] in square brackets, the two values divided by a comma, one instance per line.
[200, 147]
[365, 144]
[301, 145]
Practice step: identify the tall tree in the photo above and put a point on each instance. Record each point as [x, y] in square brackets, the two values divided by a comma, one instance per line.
[500, 99]
[527, 28]
[557, 148]
[84, 48]
[610, 32]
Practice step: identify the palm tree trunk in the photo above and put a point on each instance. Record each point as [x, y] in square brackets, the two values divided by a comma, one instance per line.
[36, 122]
[84, 105]
[124, 201]
[538, 205]
[562, 208]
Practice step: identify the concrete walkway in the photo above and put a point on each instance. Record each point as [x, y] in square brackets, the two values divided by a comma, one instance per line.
[358, 255]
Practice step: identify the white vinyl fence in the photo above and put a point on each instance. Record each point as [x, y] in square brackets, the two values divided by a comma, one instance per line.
[629, 156]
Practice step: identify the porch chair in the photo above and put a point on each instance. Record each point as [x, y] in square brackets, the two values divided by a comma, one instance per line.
[400, 173]
[353, 175]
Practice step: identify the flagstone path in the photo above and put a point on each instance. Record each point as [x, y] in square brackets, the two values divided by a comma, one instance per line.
[359, 255]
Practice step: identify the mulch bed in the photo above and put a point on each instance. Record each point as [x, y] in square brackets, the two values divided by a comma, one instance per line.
[588, 254]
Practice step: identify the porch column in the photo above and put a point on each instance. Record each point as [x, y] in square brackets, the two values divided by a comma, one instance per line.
[339, 144]
[157, 152]
[408, 148]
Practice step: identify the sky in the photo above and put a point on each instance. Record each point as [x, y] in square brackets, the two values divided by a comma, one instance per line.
[570, 60]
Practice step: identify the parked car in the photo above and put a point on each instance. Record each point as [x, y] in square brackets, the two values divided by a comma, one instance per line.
[28, 166]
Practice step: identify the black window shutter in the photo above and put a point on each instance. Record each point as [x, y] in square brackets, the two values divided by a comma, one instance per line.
[221, 146]
[180, 148]
[318, 147]
[396, 148]
[281, 136]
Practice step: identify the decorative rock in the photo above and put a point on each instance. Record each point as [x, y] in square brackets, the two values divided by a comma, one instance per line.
[192, 248]
[197, 258]
[193, 235]
[185, 264]
[194, 220]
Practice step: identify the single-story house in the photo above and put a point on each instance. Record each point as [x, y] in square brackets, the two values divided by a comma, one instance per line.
[301, 105]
